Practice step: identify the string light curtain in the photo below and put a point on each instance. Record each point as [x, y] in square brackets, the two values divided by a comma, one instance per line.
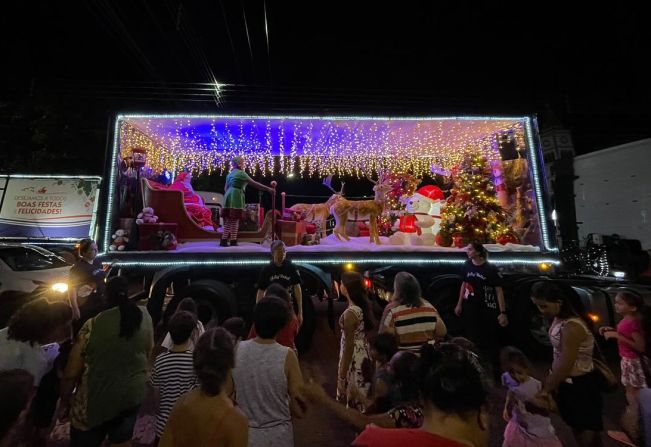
[315, 146]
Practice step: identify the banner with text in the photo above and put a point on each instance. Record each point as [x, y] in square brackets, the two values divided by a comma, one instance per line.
[47, 207]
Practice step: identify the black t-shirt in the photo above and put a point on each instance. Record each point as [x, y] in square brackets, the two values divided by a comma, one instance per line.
[481, 281]
[83, 273]
[285, 274]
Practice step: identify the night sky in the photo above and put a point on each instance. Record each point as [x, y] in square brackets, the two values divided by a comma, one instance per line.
[69, 65]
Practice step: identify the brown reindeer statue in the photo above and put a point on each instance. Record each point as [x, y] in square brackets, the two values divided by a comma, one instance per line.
[343, 209]
[318, 213]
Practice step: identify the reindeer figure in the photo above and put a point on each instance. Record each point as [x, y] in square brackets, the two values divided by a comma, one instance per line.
[316, 213]
[342, 209]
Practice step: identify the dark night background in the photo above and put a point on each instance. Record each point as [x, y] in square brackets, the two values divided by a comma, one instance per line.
[68, 66]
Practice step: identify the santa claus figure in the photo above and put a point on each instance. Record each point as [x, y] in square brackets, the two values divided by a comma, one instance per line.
[193, 201]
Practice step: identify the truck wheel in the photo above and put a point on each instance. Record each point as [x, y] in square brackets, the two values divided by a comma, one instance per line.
[303, 339]
[528, 326]
[215, 300]
[443, 293]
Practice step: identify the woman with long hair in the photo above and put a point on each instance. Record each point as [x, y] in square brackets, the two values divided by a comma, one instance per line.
[87, 276]
[573, 378]
[411, 319]
[354, 355]
[107, 370]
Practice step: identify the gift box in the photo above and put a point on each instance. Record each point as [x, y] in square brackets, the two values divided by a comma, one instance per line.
[147, 234]
[290, 231]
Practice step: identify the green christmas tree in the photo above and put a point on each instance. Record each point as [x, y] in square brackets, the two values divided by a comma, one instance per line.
[472, 211]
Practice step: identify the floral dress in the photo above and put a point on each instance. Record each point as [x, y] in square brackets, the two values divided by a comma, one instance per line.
[360, 371]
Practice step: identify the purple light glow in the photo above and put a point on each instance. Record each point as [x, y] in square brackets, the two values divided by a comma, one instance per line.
[325, 137]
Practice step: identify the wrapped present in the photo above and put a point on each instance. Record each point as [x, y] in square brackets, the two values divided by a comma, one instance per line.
[290, 232]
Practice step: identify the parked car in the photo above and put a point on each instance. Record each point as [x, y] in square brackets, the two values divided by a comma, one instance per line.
[27, 272]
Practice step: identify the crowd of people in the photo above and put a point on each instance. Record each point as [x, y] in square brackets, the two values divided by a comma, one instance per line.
[88, 366]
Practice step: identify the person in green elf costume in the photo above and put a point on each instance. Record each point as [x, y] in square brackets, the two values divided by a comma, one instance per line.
[233, 211]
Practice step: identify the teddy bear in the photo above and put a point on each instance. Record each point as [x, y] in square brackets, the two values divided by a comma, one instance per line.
[146, 216]
[168, 241]
[120, 239]
[425, 206]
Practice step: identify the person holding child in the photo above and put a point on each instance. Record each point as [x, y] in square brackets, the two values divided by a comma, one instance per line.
[573, 378]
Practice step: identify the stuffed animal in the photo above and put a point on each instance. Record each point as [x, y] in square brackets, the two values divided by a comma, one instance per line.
[146, 216]
[120, 239]
[168, 241]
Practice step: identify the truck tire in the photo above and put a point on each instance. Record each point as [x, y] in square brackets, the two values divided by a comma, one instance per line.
[528, 327]
[215, 300]
[443, 293]
[303, 339]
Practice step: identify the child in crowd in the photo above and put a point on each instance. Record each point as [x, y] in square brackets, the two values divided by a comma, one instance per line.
[187, 304]
[288, 333]
[528, 426]
[268, 379]
[237, 327]
[206, 416]
[383, 347]
[173, 373]
[631, 339]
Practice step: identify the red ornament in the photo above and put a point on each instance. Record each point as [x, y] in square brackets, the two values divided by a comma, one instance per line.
[508, 238]
[442, 241]
[458, 240]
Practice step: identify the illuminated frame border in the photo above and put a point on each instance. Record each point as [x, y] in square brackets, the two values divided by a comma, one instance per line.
[327, 261]
[532, 148]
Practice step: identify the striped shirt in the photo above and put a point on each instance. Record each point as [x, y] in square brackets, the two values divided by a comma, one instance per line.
[173, 376]
[413, 326]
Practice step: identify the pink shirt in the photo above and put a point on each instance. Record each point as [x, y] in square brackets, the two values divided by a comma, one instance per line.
[627, 327]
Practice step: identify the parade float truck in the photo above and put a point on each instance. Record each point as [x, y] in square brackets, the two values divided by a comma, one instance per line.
[372, 194]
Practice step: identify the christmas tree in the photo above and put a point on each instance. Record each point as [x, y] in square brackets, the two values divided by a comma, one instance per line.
[472, 211]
